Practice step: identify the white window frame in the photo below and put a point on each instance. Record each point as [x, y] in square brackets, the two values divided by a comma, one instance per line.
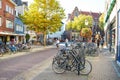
[7, 8]
[12, 12]
[0, 4]
[9, 24]
[0, 21]
[19, 28]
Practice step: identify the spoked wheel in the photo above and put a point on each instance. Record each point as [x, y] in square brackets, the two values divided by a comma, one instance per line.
[58, 66]
[87, 68]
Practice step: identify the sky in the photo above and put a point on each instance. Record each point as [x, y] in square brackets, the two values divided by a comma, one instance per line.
[84, 5]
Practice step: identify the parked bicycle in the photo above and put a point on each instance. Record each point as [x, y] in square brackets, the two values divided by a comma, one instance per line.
[71, 60]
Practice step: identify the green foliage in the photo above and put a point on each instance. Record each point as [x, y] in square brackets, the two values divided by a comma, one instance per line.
[79, 22]
[43, 16]
[101, 22]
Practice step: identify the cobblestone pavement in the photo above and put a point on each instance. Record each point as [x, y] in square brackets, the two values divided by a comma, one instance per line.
[33, 49]
[104, 67]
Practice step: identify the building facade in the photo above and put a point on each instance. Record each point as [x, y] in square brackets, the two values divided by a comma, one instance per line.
[112, 24]
[7, 12]
[95, 28]
[18, 24]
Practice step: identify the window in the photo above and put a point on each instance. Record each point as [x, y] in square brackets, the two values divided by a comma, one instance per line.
[0, 21]
[9, 24]
[19, 28]
[7, 8]
[12, 12]
[0, 4]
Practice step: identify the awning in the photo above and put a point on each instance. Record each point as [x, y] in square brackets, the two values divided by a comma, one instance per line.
[11, 33]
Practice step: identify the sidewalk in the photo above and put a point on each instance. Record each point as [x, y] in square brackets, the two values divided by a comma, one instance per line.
[33, 49]
[104, 67]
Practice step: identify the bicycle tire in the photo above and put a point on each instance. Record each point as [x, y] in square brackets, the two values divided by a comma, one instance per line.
[57, 68]
[87, 68]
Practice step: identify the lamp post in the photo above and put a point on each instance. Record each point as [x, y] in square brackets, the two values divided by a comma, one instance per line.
[86, 22]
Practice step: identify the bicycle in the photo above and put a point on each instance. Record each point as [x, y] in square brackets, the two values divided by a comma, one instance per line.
[68, 60]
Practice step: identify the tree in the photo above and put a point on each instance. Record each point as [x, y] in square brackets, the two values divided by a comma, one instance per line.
[86, 32]
[43, 16]
[79, 22]
[79, 25]
[69, 25]
[101, 22]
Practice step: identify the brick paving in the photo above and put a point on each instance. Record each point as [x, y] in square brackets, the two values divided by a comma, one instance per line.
[24, 52]
[103, 67]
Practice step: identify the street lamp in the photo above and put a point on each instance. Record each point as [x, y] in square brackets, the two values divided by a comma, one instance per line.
[86, 22]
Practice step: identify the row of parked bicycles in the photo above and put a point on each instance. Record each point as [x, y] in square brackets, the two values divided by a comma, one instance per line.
[73, 58]
[13, 48]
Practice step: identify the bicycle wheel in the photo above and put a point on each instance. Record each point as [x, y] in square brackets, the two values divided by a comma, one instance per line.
[58, 66]
[87, 68]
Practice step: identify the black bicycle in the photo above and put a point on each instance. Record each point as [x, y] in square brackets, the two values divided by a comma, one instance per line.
[69, 60]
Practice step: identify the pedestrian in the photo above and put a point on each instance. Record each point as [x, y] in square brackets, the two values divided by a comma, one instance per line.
[98, 37]
[102, 42]
[66, 42]
[57, 43]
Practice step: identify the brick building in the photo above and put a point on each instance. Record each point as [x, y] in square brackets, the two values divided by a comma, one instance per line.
[7, 12]
[95, 27]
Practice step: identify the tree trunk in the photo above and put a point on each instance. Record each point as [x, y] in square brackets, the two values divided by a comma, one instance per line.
[45, 38]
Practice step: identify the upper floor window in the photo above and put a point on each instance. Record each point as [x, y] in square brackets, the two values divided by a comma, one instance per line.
[0, 21]
[9, 24]
[0, 3]
[12, 11]
[9, 9]
[19, 28]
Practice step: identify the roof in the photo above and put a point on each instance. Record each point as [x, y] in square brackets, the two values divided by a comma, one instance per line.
[18, 2]
[93, 14]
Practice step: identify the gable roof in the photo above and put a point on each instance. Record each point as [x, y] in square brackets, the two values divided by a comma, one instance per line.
[18, 2]
[71, 16]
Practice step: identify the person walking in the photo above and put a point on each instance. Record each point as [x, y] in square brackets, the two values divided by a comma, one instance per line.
[57, 43]
[66, 42]
[98, 38]
[102, 42]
